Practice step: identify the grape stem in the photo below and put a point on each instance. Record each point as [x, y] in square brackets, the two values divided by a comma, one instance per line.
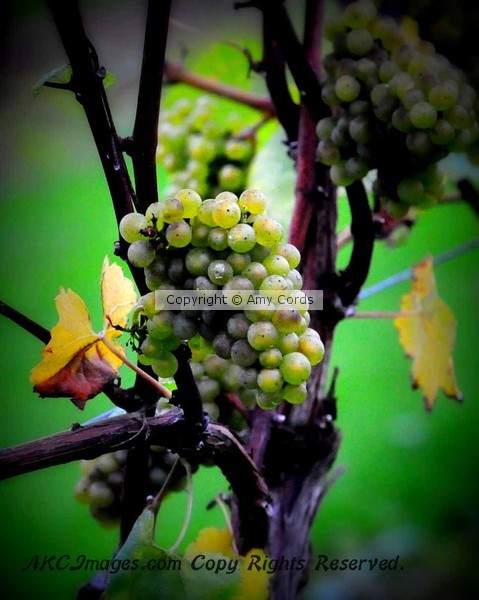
[151, 380]
[145, 131]
[176, 73]
[155, 504]
[189, 508]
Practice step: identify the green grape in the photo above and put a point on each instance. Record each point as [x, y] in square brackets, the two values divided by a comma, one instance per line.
[222, 345]
[183, 327]
[153, 214]
[131, 225]
[328, 153]
[152, 348]
[258, 253]
[270, 380]
[360, 129]
[442, 133]
[215, 366]
[200, 234]
[268, 231]
[259, 314]
[295, 394]
[243, 354]
[276, 283]
[328, 94]
[366, 70]
[289, 252]
[401, 84]
[242, 238]
[359, 14]
[226, 196]
[238, 262]
[262, 335]
[312, 347]
[147, 305]
[268, 401]
[410, 190]
[276, 265]
[201, 148]
[238, 149]
[209, 389]
[238, 326]
[339, 176]
[219, 272]
[100, 494]
[444, 95]
[401, 121]
[295, 368]
[226, 213]
[252, 201]
[191, 202]
[218, 239]
[356, 168]
[347, 88]
[418, 143]
[166, 366]
[178, 234]
[141, 254]
[325, 127]
[81, 490]
[423, 115]
[204, 283]
[176, 270]
[295, 277]
[172, 210]
[286, 320]
[231, 379]
[359, 41]
[205, 213]
[459, 117]
[288, 342]
[270, 358]
[198, 260]
[231, 177]
[256, 273]
[238, 282]
[160, 326]
[387, 70]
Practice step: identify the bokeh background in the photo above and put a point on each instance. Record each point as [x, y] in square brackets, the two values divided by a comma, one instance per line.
[409, 485]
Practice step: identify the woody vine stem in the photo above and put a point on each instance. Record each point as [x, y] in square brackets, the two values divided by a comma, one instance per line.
[279, 475]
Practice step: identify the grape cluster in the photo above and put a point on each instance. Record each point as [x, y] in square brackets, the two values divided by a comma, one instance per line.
[198, 152]
[224, 243]
[101, 484]
[397, 106]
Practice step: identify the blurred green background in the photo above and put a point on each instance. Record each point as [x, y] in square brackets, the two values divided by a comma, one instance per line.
[410, 478]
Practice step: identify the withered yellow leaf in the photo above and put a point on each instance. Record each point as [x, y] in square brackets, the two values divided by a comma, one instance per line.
[427, 332]
[76, 363]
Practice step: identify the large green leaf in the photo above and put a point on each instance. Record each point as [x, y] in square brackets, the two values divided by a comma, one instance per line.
[142, 570]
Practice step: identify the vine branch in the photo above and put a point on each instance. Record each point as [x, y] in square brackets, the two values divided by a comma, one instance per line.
[145, 131]
[25, 322]
[176, 73]
[354, 275]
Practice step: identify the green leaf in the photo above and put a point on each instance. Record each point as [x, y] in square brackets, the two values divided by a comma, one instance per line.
[109, 80]
[143, 570]
[272, 171]
[134, 578]
[60, 75]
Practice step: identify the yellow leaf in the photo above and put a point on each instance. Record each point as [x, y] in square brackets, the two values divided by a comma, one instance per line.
[428, 335]
[254, 584]
[76, 363]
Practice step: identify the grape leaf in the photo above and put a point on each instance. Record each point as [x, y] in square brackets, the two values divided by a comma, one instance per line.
[428, 336]
[76, 363]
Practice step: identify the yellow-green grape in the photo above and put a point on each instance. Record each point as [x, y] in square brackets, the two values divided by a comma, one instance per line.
[286, 320]
[289, 252]
[153, 214]
[172, 210]
[191, 202]
[270, 380]
[166, 366]
[199, 234]
[295, 394]
[270, 358]
[100, 494]
[178, 234]
[262, 335]
[198, 260]
[256, 273]
[268, 401]
[243, 354]
[226, 213]
[230, 176]
[219, 272]
[237, 149]
[131, 225]
[288, 342]
[209, 389]
[295, 368]
[268, 231]
[141, 254]
[276, 265]
[312, 347]
[242, 238]
[147, 304]
[205, 213]
[218, 239]
[160, 326]
[252, 201]
[152, 348]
